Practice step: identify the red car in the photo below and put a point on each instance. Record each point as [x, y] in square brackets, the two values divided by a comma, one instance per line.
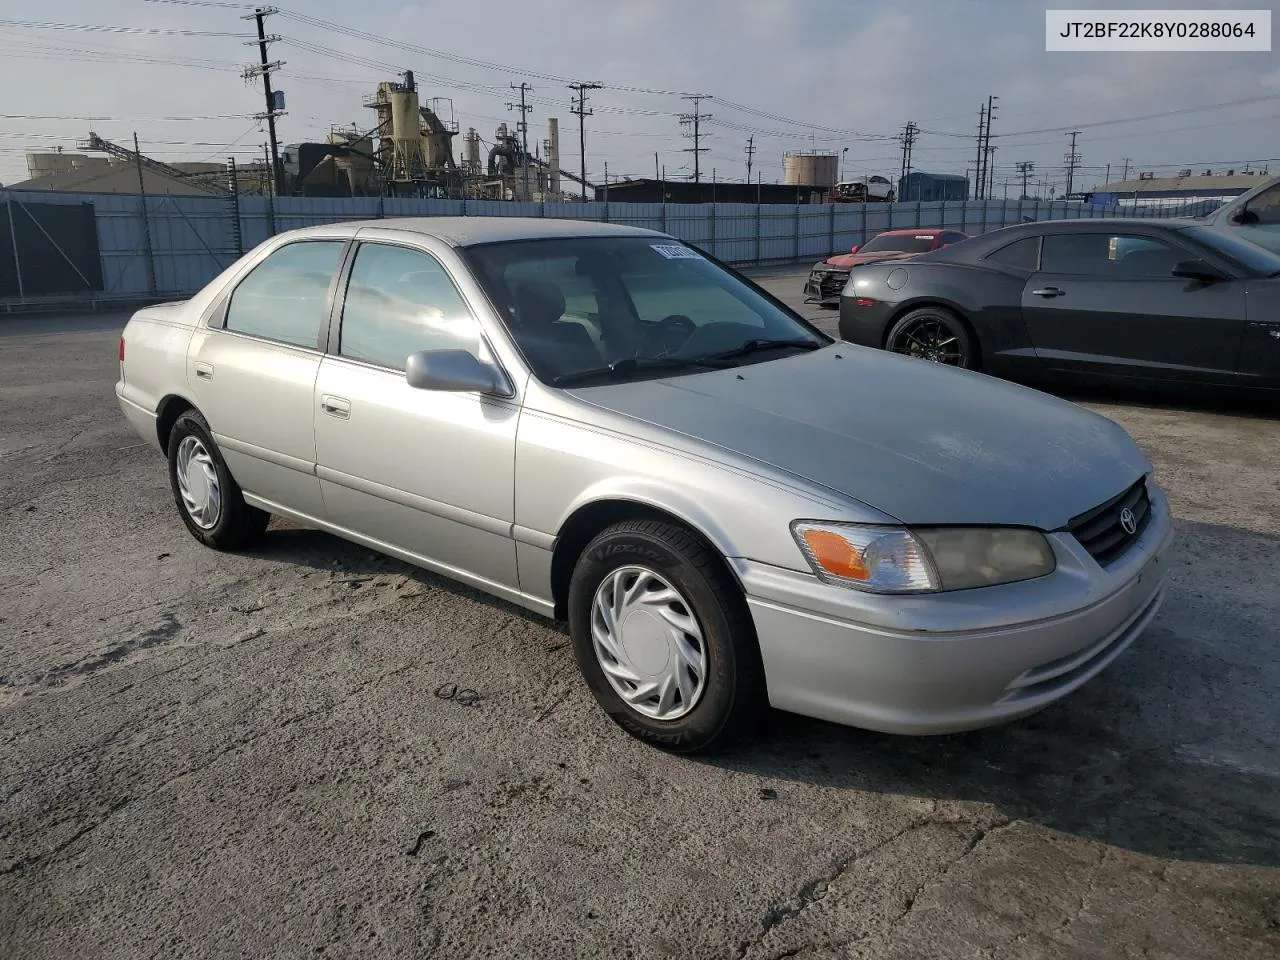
[828, 278]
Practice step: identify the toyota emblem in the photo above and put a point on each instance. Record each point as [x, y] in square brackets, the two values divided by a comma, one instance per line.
[1128, 522]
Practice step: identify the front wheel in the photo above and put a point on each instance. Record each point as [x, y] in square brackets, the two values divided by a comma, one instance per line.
[935, 334]
[664, 639]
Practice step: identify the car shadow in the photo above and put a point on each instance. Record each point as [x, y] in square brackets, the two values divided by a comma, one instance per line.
[1172, 751]
[1256, 404]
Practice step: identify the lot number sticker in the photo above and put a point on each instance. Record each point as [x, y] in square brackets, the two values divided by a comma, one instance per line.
[674, 251]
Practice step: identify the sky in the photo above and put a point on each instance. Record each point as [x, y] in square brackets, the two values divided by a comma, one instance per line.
[796, 75]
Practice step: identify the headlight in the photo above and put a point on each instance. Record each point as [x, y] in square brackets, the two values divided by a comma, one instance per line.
[895, 560]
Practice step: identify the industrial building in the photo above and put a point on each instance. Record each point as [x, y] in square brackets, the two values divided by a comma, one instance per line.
[686, 191]
[918, 186]
[119, 171]
[1148, 190]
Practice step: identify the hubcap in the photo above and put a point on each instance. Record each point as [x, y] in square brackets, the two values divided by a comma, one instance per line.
[198, 483]
[930, 338]
[648, 643]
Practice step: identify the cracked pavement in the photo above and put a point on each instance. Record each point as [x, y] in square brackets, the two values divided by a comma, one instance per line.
[214, 756]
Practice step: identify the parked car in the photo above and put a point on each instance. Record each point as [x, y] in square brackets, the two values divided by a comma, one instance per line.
[601, 424]
[828, 277]
[1136, 300]
[873, 189]
[1254, 215]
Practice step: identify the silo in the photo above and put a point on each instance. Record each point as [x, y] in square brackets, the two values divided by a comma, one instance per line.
[406, 132]
[810, 169]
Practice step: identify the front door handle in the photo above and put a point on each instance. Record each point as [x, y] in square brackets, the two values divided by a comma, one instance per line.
[336, 407]
[1049, 292]
[204, 370]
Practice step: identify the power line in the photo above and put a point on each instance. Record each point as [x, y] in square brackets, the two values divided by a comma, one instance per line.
[91, 28]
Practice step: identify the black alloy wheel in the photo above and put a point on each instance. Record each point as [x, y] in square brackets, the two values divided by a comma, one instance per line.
[936, 335]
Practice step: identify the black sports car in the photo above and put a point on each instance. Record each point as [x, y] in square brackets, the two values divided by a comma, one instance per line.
[1151, 300]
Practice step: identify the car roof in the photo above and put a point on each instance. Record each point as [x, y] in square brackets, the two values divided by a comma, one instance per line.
[471, 231]
[921, 232]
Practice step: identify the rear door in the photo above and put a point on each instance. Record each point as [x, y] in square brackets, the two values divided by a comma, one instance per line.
[252, 370]
[1105, 303]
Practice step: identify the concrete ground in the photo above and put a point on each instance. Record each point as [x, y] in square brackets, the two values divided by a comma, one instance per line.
[208, 755]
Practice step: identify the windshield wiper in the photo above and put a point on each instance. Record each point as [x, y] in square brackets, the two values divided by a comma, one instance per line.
[632, 365]
[757, 344]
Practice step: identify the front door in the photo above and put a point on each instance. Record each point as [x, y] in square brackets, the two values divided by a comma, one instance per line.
[253, 371]
[428, 472]
[1107, 304]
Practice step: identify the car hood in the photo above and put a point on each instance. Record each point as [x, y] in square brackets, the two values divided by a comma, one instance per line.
[923, 443]
[849, 260]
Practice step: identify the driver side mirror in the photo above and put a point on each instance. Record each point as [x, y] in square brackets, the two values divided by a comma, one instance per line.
[854, 248]
[1198, 270]
[455, 371]
[1244, 215]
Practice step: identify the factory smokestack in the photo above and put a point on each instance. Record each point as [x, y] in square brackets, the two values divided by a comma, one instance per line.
[553, 154]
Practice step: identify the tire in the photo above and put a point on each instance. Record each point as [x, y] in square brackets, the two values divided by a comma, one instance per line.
[234, 524]
[728, 702]
[934, 333]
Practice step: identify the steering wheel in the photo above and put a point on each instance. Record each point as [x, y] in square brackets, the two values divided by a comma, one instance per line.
[675, 331]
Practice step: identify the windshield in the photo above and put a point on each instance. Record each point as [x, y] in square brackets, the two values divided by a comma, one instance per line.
[899, 243]
[625, 307]
[1249, 255]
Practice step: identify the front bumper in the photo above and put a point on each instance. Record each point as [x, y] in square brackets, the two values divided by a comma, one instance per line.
[941, 663]
[824, 287]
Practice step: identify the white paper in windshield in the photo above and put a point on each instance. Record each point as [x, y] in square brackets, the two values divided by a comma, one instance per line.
[674, 251]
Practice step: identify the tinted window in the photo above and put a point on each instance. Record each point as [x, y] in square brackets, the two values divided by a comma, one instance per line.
[1023, 254]
[634, 284]
[1109, 256]
[899, 243]
[284, 297]
[1248, 254]
[1265, 206]
[400, 301]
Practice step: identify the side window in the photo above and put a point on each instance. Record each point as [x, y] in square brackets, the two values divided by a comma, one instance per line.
[1023, 254]
[400, 301]
[1109, 256]
[1266, 206]
[284, 297]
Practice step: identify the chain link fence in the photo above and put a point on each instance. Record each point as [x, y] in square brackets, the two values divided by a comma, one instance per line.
[167, 247]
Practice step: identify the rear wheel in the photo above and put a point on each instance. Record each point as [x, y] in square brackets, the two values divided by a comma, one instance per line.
[208, 498]
[663, 638]
[935, 334]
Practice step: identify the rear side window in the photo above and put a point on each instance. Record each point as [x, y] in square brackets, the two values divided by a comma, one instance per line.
[400, 301]
[284, 297]
[1022, 254]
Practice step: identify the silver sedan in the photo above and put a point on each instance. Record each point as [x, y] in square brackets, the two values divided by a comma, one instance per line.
[606, 426]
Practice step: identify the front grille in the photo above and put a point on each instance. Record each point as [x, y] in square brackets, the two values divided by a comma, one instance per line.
[830, 284]
[1100, 530]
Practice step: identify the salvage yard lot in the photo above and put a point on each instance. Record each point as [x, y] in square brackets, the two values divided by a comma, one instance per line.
[210, 755]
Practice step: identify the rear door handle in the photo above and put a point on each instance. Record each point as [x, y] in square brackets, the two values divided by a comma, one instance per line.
[336, 407]
[204, 370]
[1049, 292]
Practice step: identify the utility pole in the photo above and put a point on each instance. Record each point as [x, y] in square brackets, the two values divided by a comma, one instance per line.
[693, 121]
[751, 152]
[1125, 176]
[656, 175]
[146, 221]
[991, 167]
[1025, 167]
[275, 102]
[578, 107]
[908, 139]
[1107, 178]
[1072, 158]
[523, 128]
[977, 176]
